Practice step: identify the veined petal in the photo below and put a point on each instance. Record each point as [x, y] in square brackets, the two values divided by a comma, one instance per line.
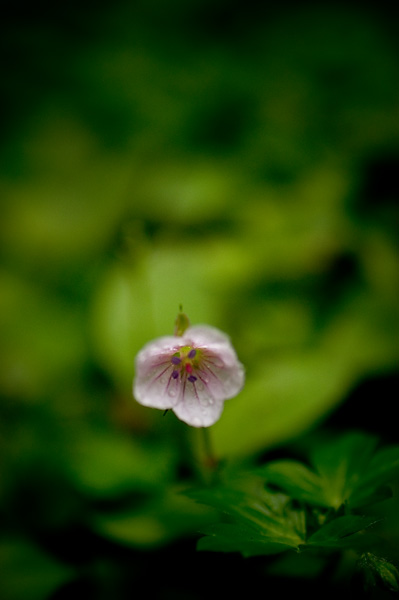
[154, 384]
[197, 406]
[158, 390]
[223, 373]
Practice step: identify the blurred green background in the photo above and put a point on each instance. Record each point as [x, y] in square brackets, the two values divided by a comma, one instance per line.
[239, 159]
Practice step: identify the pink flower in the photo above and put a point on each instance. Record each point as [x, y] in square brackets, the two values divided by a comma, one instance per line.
[192, 374]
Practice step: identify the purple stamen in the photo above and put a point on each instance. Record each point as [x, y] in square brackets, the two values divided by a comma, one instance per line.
[192, 353]
[175, 374]
[192, 378]
[176, 360]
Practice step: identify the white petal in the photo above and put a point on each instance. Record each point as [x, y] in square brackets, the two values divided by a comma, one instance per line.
[158, 392]
[204, 335]
[153, 384]
[224, 366]
[162, 345]
[223, 372]
[197, 406]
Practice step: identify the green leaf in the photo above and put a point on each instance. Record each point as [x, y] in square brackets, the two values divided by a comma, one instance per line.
[341, 532]
[279, 401]
[345, 471]
[286, 392]
[386, 530]
[27, 572]
[136, 304]
[31, 356]
[297, 480]
[226, 537]
[163, 518]
[375, 567]
[104, 463]
[383, 468]
[258, 517]
[243, 508]
[341, 464]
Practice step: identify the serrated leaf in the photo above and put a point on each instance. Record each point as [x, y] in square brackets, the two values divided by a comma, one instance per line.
[341, 464]
[376, 566]
[264, 522]
[383, 468]
[226, 537]
[297, 480]
[341, 532]
[243, 508]
[344, 472]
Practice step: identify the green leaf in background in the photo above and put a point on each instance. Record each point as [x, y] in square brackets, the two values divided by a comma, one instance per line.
[102, 463]
[28, 573]
[62, 213]
[134, 305]
[279, 401]
[121, 321]
[167, 516]
[32, 357]
[288, 391]
[196, 192]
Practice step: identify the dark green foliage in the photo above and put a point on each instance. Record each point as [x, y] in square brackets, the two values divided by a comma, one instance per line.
[333, 506]
[262, 522]
[378, 569]
[341, 532]
[346, 470]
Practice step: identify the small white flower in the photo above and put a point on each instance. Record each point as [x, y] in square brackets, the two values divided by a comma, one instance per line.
[192, 374]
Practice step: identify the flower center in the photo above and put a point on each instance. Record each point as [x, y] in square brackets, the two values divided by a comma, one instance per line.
[185, 361]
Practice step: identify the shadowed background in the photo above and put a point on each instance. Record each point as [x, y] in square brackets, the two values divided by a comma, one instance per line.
[239, 160]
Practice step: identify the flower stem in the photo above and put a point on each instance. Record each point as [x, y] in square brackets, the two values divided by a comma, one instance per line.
[210, 459]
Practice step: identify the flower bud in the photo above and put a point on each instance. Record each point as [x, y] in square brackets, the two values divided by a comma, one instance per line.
[181, 324]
